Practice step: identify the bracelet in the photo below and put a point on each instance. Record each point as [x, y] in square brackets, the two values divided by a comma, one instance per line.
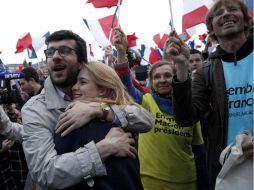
[105, 109]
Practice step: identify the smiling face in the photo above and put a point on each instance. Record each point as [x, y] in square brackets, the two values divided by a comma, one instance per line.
[63, 69]
[228, 21]
[161, 79]
[85, 85]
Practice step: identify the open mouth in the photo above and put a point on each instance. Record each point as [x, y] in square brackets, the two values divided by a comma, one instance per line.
[228, 23]
[58, 68]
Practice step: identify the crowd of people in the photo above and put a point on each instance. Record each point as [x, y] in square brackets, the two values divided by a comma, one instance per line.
[97, 125]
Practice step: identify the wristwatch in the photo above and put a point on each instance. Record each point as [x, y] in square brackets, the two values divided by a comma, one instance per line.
[105, 109]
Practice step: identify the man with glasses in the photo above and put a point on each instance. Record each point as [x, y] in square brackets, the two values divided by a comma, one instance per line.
[65, 52]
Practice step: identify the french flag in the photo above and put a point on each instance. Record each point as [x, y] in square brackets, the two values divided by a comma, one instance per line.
[101, 29]
[194, 44]
[149, 55]
[162, 37]
[37, 43]
[31, 53]
[194, 12]
[203, 37]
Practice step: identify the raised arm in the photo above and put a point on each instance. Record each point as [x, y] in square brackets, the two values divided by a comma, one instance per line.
[122, 67]
[190, 98]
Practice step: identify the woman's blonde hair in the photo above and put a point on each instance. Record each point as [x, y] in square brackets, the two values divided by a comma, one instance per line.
[104, 76]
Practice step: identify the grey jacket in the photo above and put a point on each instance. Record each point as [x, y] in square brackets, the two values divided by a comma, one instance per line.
[52, 171]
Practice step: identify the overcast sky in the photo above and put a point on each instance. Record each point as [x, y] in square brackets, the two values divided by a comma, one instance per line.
[144, 17]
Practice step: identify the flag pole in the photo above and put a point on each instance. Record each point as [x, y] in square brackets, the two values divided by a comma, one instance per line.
[171, 15]
[112, 26]
[118, 15]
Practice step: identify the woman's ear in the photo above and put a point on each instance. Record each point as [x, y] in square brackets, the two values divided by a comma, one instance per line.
[103, 91]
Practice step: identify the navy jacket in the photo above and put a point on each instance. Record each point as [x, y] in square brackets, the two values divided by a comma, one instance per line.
[122, 173]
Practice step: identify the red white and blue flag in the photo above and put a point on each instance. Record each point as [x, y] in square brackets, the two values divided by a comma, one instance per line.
[194, 13]
[101, 29]
[37, 43]
[31, 44]
[149, 55]
[162, 37]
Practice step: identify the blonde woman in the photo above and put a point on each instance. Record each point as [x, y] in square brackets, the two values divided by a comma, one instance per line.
[99, 82]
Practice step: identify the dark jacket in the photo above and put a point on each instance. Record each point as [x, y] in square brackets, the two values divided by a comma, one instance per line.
[122, 173]
[192, 99]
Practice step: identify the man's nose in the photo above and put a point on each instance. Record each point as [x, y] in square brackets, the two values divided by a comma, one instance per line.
[56, 54]
[226, 12]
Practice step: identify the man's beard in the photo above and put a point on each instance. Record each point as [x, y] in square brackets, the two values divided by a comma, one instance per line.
[67, 81]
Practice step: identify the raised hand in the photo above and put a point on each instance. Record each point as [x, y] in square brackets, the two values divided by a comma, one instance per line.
[108, 55]
[120, 42]
[178, 52]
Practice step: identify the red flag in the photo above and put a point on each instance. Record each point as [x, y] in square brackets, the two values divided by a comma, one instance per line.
[104, 3]
[162, 37]
[154, 56]
[160, 41]
[24, 43]
[196, 10]
[132, 40]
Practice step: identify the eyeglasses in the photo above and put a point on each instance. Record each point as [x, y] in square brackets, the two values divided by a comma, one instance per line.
[62, 50]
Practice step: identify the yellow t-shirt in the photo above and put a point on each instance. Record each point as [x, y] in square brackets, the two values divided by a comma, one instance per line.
[165, 152]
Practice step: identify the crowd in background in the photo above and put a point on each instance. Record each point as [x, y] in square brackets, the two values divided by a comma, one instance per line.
[115, 124]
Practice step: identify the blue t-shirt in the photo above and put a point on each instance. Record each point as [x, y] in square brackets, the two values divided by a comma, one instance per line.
[239, 85]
